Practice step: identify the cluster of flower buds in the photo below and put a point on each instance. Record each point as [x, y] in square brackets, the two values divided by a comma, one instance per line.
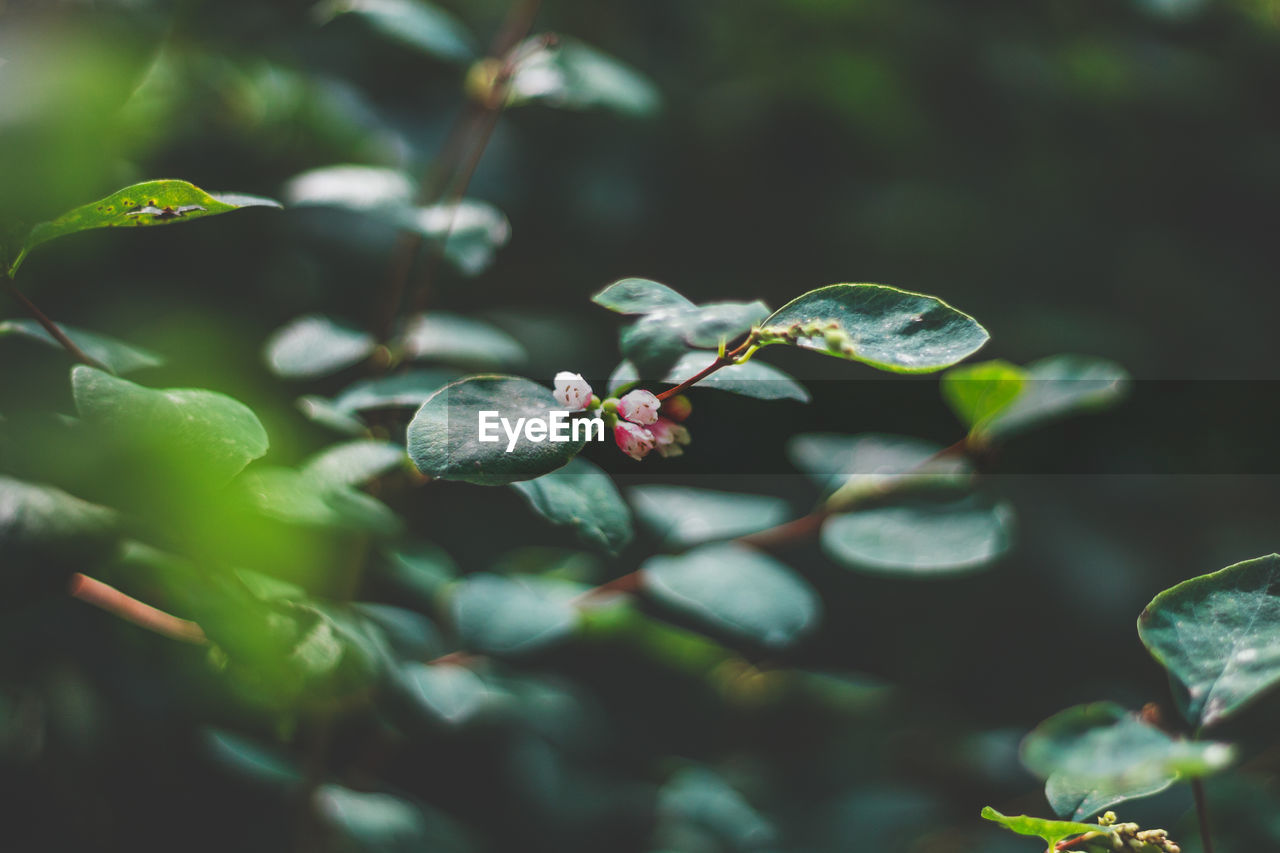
[1127, 836]
[640, 421]
[833, 338]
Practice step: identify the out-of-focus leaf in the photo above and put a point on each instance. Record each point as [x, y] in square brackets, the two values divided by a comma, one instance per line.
[354, 463]
[407, 390]
[582, 497]
[1052, 831]
[252, 761]
[921, 538]
[411, 635]
[736, 589]
[144, 204]
[421, 569]
[296, 497]
[37, 519]
[701, 798]
[325, 413]
[1219, 637]
[461, 341]
[204, 431]
[444, 436]
[979, 393]
[882, 326]
[365, 188]
[750, 379]
[639, 296]
[1058, 386]
[447, 693]
[115, 354]
[367, 821]
[867, 464]
[571, 75]
[420, 25]
[658, 340]
[682, 516]
[1101, 754]
[314, 346]
[476, 231]
[510, 616]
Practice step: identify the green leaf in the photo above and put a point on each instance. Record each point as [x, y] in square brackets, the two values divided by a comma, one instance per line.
[510, 616]
[419, 25]
[701, 798]
[736, 589]
[682, 516]
[444, 434]
[475, 229]
[750, 379]
[324, 412]
[354, 187]
[571, 75]
[253, 761]
[407, 390]
[640, 296]
[148, 203]
[978, 393]
[115, 354]
[1052, 831]
[1058, 386]
[421, 570]
[38, 520]
[199, 430]
[1100, 752]
[410, 634]
[297, 497]
[460, 341]
[314, 346]
[370, 821]
[882, 326]
[657, 341]
[447, 693]
[584, 498]
[354, 463]
[921, 538]
[872, 464]
[1218, 635]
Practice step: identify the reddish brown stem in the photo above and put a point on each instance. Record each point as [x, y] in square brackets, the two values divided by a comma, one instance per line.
[725, 360]
[52, 328]
[1202, 814]
[800, 528]
[130, 609]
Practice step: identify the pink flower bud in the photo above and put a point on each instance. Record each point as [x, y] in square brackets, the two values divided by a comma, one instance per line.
[572, 391]
[669, 436]
[635, 441]
[639, 407]
[677, 408]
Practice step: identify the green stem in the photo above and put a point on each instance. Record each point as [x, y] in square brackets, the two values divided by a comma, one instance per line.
[52, 327]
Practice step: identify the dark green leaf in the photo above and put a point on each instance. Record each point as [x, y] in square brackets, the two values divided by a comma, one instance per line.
[447, 693]
[297, 497]
[639, 296]
[1082, 800]
[571, 75]
[325, 413]
[870, 464]
[682, 516]
[736, 589]
[1219, 637]
[117, 355]
[249, 760]
[461, 341]
[410, 634]
[510, 616]
[314, 346]
[921, 538]
[354, 463]
[36, 520]
[148, 203]
[362, 188]
[422, 570]
[407, 390]
[584, 498]
[881, 326]
[657, 341]
[373, 822]
[203, 430]
[701, 798]
[420, 25]
[979, 393]
[444, 434]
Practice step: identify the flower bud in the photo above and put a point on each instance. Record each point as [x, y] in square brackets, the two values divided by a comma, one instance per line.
[669, 437]
[676, 408]
[635, 441]
[639, 407]
[572, 391]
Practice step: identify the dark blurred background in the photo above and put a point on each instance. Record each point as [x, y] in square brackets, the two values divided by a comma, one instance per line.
[1083, 176]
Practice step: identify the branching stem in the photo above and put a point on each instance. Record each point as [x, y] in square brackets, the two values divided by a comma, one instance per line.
[52, 327]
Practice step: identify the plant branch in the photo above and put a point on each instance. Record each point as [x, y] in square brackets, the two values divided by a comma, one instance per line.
[725, 360]
[130, 609]
[1202, 814]
[52, 328]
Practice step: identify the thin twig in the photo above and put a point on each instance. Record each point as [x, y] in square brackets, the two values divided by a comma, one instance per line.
[130, 609]
[52, 328]
[1202, 814]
